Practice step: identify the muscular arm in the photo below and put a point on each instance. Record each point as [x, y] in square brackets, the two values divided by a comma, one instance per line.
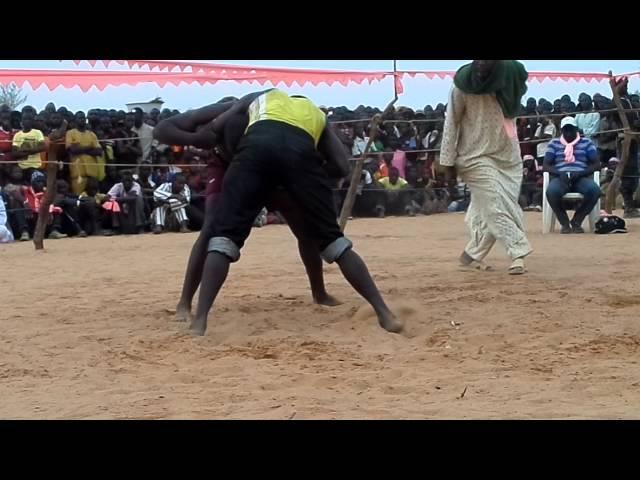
[334, 152]
[241, 106]
[181, 129]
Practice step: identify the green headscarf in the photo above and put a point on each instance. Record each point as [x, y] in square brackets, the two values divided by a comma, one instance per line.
[508, 80]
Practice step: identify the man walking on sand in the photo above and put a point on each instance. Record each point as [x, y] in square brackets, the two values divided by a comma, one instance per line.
[480, 142]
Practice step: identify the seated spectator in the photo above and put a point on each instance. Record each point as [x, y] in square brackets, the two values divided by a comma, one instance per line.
[436, 199]
[68, 203]
[28, 143]
[460, 197]
[13, 193]
[6, 235]
[111, 178]
[417, 183]
[84, 151]
[33, 198]
[89, 208]
[532, 182]
[197, 183]
[397, 198]
[399, 161]
[125, 206]
[369, 197]
[171, 199]
[143, 177]
[384, 164]
[571, 160]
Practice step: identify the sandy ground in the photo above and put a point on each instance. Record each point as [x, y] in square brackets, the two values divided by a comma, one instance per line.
[85, 332]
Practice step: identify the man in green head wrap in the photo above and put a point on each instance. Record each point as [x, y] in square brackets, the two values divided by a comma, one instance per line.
[480, 142]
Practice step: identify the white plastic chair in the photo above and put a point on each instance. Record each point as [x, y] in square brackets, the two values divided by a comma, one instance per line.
[549, 218]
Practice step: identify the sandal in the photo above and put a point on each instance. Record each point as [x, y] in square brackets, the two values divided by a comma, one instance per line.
[475, 265]
[517, 267]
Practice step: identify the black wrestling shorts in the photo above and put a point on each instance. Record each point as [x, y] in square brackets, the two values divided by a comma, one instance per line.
[273, 154]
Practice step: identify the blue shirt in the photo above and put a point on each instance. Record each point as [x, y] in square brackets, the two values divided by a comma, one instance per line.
[584, 152]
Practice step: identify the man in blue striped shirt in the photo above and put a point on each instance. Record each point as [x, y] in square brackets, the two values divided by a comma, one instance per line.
[571, 162]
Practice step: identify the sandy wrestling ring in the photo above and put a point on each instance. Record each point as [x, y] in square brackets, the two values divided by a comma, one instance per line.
[85, 331]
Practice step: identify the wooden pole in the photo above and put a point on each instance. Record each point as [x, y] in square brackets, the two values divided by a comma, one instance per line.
[47, 200]
[350, 198]
[628, 134]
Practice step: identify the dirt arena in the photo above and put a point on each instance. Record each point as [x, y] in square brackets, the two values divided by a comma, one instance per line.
[86, 333]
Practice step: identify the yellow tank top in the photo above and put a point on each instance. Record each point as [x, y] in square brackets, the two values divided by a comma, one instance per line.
[299, 112]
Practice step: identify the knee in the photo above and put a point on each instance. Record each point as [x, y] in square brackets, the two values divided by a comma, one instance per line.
[592, 190]
[224, 246]
[554, 193]
[336, 249]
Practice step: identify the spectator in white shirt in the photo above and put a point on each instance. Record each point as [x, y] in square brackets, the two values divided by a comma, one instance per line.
[6, 235]
[126, 205]
[145, 133]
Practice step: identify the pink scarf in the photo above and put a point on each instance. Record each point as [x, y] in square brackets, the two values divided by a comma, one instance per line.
[568, 148]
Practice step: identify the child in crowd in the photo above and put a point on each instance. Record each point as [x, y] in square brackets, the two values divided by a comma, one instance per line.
[89, 207]
[33, 198]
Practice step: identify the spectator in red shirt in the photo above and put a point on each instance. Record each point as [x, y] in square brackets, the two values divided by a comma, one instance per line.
[6, 139]
[33, 198]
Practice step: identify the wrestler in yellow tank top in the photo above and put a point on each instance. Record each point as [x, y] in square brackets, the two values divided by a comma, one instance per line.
[297, 111]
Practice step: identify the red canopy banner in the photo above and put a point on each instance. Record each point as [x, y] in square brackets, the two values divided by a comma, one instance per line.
[102, 79]
[164, 72]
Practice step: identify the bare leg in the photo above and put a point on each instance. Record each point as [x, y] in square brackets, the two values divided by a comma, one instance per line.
[216, 269]
[192, 277]
[357, 274]
[308, 248]
[313, 265]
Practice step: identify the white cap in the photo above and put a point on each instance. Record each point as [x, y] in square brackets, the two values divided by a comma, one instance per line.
[568, 121]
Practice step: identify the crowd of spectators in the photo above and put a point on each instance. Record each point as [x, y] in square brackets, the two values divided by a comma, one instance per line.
[113, 177]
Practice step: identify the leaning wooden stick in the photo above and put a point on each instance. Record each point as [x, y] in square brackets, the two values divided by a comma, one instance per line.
[47, 199]
[614, 186]
[350, 198]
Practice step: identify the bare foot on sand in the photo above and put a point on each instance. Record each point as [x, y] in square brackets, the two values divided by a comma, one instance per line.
[183, 313]
[198, 326]
[326, 300]
[389, 322]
